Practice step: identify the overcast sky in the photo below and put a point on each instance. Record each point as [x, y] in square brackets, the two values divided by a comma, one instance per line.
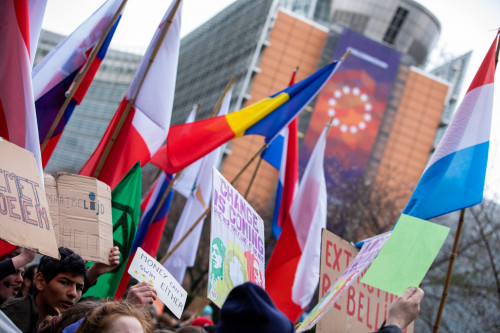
[466, 25]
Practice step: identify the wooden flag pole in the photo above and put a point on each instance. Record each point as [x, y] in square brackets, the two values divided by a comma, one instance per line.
[450, 270]
[221, 98]
[455, 243]
[205, 213]
[131, 101]
[80, 76]
[253, 177]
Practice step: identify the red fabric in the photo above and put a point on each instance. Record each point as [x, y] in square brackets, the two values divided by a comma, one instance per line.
[49, 149]
[202, 322]
[201, 136]
[486, 72]
[87, 80]
[280, 271]
[122, 287]
[6, 248]
[128, 148]
[153, 237]
[291, 172]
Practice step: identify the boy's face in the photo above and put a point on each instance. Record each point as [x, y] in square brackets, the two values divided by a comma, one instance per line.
[11, 284]
[62, 291]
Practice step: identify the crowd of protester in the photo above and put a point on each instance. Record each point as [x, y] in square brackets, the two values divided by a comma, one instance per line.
[47, 298]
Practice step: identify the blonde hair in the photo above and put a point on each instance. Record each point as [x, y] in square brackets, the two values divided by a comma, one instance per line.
[101, 318]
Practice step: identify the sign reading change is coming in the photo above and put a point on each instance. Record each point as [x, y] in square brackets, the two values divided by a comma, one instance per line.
[237, 242]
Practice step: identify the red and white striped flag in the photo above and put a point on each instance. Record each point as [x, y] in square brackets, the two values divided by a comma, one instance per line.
[146, 126]
[292, 273]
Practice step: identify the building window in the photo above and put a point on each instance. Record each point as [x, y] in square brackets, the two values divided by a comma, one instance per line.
[396, 23]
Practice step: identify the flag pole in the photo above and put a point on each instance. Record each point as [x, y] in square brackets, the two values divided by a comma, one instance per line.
[455, 242]
[131, 101]
[205, 213]
[198, 106]
[80, 76]
[450, 270]
[221, 98]
[292, 81]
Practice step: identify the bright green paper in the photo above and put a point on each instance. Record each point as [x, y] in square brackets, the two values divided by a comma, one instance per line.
[407, 255]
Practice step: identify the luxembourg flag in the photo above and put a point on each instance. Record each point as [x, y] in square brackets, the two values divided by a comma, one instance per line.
[54, 75]
[20, 23]
[454, 177]
[142, 120]
[292, 273]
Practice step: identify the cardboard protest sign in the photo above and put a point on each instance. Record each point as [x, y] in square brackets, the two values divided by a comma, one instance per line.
[237, 241]
[407, 255]
[332, 291]
[362, 308]
[24, 212]
[145, 268]
[53, 201]
[83, 213]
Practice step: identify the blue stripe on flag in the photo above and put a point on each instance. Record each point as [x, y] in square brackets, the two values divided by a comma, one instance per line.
[454, 182]
[274, 152]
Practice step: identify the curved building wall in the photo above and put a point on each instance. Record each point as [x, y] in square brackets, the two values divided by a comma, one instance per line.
[403, 24]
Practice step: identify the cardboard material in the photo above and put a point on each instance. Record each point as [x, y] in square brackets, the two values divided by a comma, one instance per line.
[343, 284]
[24, 212]
[53, 201]
[407, 256]
[145, 268]
[83, 214]
[362, 308]
[237, 242]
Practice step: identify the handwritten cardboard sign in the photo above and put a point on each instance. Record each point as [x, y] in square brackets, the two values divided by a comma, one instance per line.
[237, 241]
[170, 292]
[358, 264]
[81, 209]
[24, 212]
[362, 308]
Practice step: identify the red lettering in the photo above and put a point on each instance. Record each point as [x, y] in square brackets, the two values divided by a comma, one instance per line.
[3, 209]
[376, 316]
[328, 253]
[27, 213]
[325, 285]
[360, 306]
[351, 301]
[11, 207]
[337, 306]
[348, 254]
[42, 217]
[337, 257]
[368, 314]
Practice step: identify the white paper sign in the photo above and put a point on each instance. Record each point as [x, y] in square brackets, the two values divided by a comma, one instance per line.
[237, 242]
[170, 292]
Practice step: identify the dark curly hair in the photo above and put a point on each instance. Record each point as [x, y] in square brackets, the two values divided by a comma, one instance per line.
[70, 262]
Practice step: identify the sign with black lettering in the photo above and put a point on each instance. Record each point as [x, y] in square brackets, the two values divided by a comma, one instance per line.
[145, 268]
[24, 212]
[81, 208]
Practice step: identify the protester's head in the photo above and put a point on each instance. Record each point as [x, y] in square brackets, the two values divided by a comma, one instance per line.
[202, 322]
[59, 282]
[28, 287]
[11, 284]
[72, 315]
[207, 312]
[248, 308]
[108, 317]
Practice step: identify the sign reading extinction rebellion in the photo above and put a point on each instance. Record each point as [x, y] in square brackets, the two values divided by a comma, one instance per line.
[237, 242]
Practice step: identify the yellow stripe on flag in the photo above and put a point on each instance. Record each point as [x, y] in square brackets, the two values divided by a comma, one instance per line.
[242, 120]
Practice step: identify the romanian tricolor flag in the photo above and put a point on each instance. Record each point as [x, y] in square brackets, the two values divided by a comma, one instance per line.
[187, 143]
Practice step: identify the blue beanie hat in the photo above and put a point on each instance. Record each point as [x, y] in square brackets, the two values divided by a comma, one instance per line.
[248, 308]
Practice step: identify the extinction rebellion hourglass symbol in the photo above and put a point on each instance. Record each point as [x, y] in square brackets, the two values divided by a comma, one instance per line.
[351, 109]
